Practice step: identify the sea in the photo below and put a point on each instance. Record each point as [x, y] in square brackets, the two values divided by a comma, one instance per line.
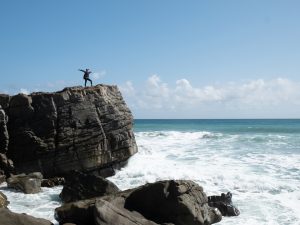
[257, 160]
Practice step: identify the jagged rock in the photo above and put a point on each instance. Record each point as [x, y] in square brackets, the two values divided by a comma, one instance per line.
[80, 186]
[164, 202]
[9, 218]
[29, 184]
[52, 182]
[3, 201]
[86, 129]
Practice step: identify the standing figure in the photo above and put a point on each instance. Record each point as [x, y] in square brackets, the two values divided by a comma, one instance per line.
[86, 76]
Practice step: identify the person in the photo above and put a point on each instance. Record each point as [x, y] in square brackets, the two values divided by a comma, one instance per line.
[86, 76]
[224, 204]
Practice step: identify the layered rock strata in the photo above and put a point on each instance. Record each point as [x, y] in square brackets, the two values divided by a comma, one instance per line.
[85, 129]
[171, 202]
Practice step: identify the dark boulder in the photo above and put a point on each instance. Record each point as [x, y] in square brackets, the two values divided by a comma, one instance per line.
[164, 202]
[86, 129]
[79, 213]
[29, 184]
[179, 202]
[80, 186]
[3, 201]
[9, 218]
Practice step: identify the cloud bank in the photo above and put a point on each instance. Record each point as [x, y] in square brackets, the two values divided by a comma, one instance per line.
[276, 98]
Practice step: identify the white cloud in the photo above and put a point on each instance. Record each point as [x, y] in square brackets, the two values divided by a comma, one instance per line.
[255, 96]
[98, 75]
[24, 91]
[127, 89]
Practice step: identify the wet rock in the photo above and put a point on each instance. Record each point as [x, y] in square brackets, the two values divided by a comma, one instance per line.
[9, 218]
[3, 201]
[85, 129]
[29, 184]
[164, 202]
[179, 202]
[80, 186]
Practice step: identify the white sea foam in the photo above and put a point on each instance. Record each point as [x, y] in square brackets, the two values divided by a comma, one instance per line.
[265, 186]
[39, 205]
[262, 172]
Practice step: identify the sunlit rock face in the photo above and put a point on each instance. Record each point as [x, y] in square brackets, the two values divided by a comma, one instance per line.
[85, 129]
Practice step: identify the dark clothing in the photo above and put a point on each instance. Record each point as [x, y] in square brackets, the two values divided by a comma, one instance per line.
[87, 79]
[86, 76]
[224, 204]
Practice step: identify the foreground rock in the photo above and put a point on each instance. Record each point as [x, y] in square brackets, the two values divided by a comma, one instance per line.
[106, 213]
[165, 202]
[9, 218]
[29, 184]
[80, 186]
[86, 129]
[3, 201]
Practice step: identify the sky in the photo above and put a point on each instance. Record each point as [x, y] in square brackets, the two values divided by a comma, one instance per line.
[169, 58]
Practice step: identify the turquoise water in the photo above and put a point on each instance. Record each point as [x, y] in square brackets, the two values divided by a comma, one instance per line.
[257, 160]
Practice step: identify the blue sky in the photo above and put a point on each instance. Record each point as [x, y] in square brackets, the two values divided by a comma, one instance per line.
[171, 59]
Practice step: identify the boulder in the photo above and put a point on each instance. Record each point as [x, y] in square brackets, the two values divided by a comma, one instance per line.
[179, 202]
[79, 213]
[85, 129]
[80, 186]
[3, 201]
[29, 184]
[164, 202]
[9, 218]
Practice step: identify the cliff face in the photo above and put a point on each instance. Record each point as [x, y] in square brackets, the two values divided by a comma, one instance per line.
[76, 128]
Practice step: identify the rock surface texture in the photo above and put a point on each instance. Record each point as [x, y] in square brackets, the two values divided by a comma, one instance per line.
[3, 200]
[86, 129]
[80, 186]
[165, 202]
[29, 184]
[9, 218]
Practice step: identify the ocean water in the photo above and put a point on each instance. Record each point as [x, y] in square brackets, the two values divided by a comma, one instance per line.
[257, 160]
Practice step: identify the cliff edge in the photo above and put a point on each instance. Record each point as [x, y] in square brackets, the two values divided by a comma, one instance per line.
[85, 129]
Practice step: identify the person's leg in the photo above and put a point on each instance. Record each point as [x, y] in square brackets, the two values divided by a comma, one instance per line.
[85, 80]
[91, 81]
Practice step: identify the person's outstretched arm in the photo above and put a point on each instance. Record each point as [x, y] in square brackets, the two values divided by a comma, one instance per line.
[81, 70]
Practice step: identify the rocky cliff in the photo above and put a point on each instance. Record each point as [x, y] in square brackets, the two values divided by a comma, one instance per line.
[77, 128]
